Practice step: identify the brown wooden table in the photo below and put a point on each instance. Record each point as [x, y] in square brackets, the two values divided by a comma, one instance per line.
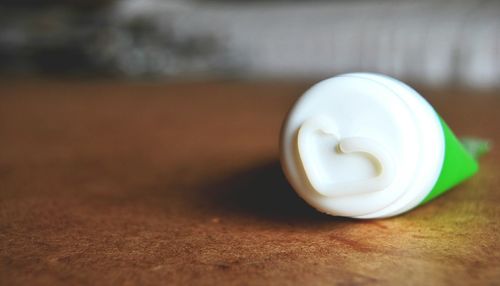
[179, 183]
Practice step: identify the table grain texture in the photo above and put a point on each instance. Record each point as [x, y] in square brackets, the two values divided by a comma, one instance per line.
[122, 183]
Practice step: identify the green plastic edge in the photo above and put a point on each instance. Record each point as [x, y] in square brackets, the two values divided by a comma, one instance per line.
[458, 165]
[477, 147]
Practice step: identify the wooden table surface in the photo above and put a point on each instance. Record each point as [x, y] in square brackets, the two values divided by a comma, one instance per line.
[180, 184]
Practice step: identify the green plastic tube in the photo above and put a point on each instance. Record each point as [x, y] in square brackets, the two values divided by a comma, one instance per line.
[458, 165]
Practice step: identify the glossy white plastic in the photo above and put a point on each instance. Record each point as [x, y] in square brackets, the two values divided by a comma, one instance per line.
[362, 145]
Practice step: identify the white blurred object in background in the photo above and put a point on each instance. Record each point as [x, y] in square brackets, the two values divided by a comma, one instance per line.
[431, 42]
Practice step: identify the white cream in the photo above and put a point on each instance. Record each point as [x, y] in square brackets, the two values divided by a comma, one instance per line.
[362, 145]
[314, 132]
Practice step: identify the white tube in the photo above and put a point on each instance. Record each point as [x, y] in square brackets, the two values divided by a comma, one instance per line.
[362, 145]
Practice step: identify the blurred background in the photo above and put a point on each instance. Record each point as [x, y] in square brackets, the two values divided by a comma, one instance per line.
[430, 42]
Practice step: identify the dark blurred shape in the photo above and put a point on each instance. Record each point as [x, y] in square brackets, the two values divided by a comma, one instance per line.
[263, 192]
[49, 36]
[88, 38]
[90, 4]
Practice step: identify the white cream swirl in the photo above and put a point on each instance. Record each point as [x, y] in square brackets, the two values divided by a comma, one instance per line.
[317, 127]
